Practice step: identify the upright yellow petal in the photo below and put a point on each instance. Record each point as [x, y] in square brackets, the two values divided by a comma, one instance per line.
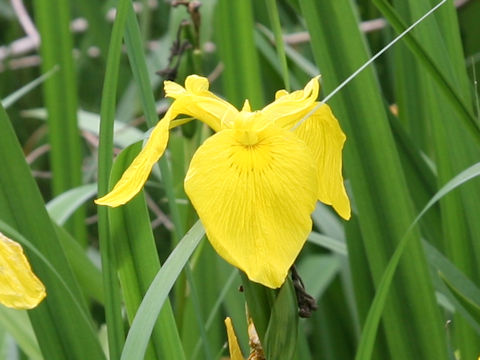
[19, 287]
[288, 109]
[233, 347]
[255, 200]
[195, 100]
[323, 135]
[137, 173]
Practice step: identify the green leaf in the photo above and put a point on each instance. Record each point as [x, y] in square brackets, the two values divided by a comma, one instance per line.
[138, 262]
[105, 154]
[260, 300]
[241, 77]
[60, 95]
[216, 308]
[432, 117]
[152, 303]
[328, 243]
[264, 46]
[442, 82]
[124, 134]
[88, 275]
[318, 272]
[139, 68]
[17, 324]
[58, 320]
[294, 56]
[280, 341]
[464, 287]
[64, 205]
[13, 98]
[277, 30]
[379, 188]
[472, 305]
[371, 324]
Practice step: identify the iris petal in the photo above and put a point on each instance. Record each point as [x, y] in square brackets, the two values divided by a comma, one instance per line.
[323, 135]
[255, 201]
[195, 100]
[288, 109]
[19, 287]
[137, 173]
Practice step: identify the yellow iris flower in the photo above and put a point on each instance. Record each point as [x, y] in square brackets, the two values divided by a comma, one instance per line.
[254, 183]
[19, 287]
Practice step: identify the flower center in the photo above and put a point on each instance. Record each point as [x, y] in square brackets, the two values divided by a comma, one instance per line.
[247, 126]
[247, 137]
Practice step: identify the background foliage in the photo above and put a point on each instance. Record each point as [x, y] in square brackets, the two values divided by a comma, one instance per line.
[412, 125]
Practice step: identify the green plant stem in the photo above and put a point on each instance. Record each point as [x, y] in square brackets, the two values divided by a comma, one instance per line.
[114, 319]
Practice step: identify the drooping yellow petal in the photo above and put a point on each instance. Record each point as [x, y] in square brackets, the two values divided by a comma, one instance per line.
[195, 100]
[323, 135]
[255, 200]
[137, 173]
[288, 109]
[19, 287]
[233, 346]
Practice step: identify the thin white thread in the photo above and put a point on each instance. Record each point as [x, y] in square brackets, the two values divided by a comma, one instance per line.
[361, 68]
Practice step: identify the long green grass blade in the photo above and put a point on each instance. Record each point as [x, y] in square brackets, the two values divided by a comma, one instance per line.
[421, 179]
[56, 321]
[17, 324]
[157, 293]
[259, 301]
[60, 92]
[241, 77]
[442, 82]
[440, 131]
[328, 243]
[465, 288]
[133, 41]
[279, 343]
[265, 47]
[124, 134]
[373, 166]
[277, 30]
[318, 272]
[64, 205]
[88, 275]
[217, 307]
[105, 153]
[363, 284]
[295, 56]
[12, 98]
[369, 330]
[141, 75]
[138, 262]
[77, 300]
[471, 305]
